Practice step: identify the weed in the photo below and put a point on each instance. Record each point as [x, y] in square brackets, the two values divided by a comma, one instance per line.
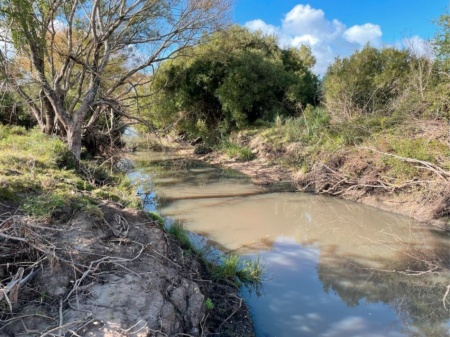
[228, 268]
[242, 153]
[209, 305]
[252, 271]
[247, 272]
[279, 120]
[157, 218]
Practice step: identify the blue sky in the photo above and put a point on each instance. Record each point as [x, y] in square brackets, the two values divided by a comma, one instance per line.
[338, 27]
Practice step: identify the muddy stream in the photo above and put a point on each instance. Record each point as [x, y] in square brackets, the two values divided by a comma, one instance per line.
[333, 268]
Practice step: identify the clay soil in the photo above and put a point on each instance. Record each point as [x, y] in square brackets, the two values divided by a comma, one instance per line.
[111, 274]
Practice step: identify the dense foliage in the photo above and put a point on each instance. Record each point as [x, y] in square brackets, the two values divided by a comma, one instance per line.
[365, 82]
[234, 79]
[390, 81]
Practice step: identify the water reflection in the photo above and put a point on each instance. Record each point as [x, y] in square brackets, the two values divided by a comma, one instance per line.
[334, 268]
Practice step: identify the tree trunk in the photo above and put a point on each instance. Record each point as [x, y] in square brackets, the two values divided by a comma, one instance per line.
[49, 116]
[74, 141]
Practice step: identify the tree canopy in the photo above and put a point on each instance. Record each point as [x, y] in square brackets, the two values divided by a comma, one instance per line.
[70, 60]
[233, 79]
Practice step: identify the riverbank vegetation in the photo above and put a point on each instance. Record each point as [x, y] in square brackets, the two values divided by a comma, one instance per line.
[232, 80]
[37, 173]
[376, 126]
[68, 236]
[75, 74]
[228, 267]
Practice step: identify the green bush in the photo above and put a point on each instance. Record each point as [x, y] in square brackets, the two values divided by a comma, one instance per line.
[235, 79]
[366, 82]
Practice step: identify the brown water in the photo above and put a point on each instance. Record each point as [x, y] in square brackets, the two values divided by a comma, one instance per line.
[333, 268]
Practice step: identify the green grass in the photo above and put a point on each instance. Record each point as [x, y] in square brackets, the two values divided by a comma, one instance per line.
[36, 171]
[156, 217]
[181, 235]
[230, 267]
[241, 153]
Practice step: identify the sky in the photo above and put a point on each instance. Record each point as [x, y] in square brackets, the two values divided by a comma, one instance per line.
[339, 27]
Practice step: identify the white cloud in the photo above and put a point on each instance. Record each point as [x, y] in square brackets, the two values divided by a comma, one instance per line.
[262, 26]
[303, 19]
[307, 39]
[304, 25]
[364, 34]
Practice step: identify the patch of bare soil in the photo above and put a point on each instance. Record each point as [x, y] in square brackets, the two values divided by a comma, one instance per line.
[118, 274]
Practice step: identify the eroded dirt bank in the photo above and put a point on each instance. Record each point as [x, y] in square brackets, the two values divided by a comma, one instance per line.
[353, 174]
[111, 274]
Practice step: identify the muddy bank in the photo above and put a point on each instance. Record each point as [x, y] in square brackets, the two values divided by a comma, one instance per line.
[108, 273]
[351, 174]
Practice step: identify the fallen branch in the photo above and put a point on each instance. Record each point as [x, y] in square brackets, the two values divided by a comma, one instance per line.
[94, 265]
[440, 172]
[12, 288]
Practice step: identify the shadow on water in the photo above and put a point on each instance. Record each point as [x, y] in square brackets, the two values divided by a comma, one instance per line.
[334, 268]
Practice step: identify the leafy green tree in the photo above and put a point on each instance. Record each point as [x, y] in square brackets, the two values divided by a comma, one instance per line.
[233, 79]
[366, 82]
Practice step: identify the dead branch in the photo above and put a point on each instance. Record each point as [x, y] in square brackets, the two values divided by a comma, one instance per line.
[94, 265]
[440, 172]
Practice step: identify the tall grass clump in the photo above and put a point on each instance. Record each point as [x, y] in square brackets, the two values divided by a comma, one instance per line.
[228, 267]
[242, 153]
[240, 272]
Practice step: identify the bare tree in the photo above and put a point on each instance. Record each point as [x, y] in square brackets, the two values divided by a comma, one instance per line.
[62, 56]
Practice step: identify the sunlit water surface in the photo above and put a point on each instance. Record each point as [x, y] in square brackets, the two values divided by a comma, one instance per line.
[333, 268]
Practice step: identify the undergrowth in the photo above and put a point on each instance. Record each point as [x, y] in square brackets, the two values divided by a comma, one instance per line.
[319, 139]
[230, 267]
[235, 151]
[36, 172]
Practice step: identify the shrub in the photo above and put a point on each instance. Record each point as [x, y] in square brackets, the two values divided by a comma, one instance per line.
[365, 82]
[235, 79]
